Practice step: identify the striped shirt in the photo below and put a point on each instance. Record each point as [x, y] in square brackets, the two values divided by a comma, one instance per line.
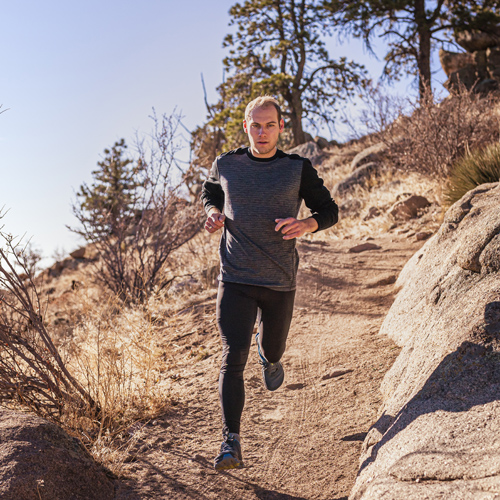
[253, 192]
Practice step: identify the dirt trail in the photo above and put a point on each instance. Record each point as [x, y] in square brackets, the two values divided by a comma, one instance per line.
[303, 441]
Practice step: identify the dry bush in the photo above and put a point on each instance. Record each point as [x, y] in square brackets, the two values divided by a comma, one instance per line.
[378, 110]
[429, 135]
[32, 371]
[133, 256]
[107, 374]
[436, 134]
[116, 352]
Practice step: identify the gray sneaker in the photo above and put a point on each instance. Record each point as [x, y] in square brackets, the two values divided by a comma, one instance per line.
[230, 453]
[272, 373]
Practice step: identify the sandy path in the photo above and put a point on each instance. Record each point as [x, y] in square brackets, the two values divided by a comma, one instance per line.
[303, 441]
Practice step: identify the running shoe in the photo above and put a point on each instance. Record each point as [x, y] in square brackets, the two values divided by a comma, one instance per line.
[272, 373]
[230, 453]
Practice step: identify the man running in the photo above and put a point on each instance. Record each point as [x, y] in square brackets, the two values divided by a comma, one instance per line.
[254, 194]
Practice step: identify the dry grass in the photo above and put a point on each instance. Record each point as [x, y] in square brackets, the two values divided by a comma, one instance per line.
[126, 357]
[381, 190]
[117, 354]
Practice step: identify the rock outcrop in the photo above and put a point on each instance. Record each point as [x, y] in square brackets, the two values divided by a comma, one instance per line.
[358, 177]
[409, 207]
[310, 150]
[39, 460]
[479, 66]
[373, 154]
[438, 431]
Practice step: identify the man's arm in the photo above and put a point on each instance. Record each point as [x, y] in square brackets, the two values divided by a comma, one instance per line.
[212, 196]
[318, 199]
[215, 220]
[294, 228]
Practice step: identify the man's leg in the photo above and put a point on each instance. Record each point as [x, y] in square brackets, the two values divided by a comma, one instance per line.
[276, 316]
[236, 314]
[275, 320]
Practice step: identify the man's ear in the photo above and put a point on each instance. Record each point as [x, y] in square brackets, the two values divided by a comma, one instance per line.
[245, 126]
[282, 125]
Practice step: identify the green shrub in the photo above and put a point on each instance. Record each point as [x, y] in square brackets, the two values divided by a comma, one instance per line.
[475, 168]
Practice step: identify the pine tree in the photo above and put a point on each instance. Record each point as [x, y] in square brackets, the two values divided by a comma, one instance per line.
[411, 28]
[278, 49]
[109, 200]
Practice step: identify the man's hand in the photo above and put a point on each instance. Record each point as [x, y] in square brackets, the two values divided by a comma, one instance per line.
[293, 228]
[214, 222]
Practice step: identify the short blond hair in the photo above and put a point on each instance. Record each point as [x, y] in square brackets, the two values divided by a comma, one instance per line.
[263, 101]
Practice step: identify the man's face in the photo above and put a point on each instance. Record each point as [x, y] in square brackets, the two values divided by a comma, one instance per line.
[263, 131]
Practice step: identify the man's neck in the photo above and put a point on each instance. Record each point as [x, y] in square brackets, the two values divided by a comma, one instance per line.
[262, 158]
[266, 155]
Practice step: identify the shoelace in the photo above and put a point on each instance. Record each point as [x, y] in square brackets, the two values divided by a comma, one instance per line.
[265, 364]
[270, 367]
[228, 446]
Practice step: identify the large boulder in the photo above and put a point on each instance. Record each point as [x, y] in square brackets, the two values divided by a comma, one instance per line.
[310, 150]
[473, 41]
[409, 208]
[373, 154]
[88, 252]
[439, 427]
[358, 177]
[454, 61]
[39, 460]
[322, 142]
[493, 62]
[467, 76]
[477, 69]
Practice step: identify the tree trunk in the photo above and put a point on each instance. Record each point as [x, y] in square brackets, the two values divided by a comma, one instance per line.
[296, 119]
[424, 48]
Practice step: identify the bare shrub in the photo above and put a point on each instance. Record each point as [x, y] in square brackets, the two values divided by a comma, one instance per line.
[157, 220]
[32, 372]
[436, 134]
[378, 110]
[103, 377]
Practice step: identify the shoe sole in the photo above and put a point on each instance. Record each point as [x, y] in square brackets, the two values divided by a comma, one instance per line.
[229, 463]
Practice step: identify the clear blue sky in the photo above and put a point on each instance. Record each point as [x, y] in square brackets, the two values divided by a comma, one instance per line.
[77, 76]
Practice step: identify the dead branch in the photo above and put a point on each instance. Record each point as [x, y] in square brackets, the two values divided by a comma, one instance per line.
[32, 372]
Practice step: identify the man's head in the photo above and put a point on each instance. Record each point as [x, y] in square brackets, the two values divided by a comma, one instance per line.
[263, 124]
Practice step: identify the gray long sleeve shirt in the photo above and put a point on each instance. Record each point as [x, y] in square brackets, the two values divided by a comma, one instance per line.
[253, 192]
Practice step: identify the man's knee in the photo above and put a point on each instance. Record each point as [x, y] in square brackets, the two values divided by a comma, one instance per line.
[234, 359]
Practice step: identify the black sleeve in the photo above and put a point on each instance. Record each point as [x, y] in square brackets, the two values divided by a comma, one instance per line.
[317, 197]
[212, 194]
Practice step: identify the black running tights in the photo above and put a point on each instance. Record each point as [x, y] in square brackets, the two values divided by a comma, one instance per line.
[237, 309]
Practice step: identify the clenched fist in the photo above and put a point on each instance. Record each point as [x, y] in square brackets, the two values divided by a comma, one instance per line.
[214, 222]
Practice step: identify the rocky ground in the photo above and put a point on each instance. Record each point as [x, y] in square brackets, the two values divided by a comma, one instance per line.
[303, 441]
